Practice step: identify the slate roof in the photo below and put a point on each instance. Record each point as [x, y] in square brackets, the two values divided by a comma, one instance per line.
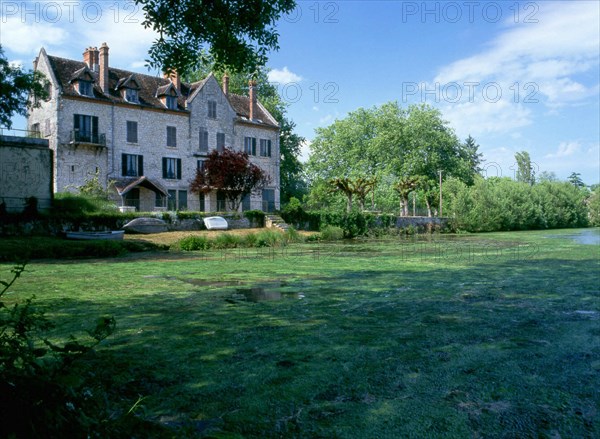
[66, 70]
[241, 105]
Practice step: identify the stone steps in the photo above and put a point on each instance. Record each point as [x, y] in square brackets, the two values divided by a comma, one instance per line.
[276, 222]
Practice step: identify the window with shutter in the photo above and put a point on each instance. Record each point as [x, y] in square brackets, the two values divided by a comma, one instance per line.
[172, 136]
[220, 142]
[132, 131]
[203, 140]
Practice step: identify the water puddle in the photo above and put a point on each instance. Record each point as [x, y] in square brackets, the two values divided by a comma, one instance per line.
[585, 237]
[264, 294]
[246, 291]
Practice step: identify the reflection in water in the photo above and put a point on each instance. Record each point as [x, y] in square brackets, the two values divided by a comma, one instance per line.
[269, 291]
[586, 237]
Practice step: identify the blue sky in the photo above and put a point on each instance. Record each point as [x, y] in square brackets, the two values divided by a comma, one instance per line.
[515, 75]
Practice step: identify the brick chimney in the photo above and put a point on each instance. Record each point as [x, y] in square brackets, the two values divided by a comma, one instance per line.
[226, 84]
[88, 57]
[103, 68]
[175, 79]
[95, 59]
[253, 99]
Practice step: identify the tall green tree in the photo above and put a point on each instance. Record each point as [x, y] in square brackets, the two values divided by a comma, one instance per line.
[575, 179]
[471, 160]
[391, 144]
[290, 143]
[525, 172]
[235, 33]
[16, 85]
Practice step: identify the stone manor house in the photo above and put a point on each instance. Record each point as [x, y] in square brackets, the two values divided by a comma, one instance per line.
[146, 136]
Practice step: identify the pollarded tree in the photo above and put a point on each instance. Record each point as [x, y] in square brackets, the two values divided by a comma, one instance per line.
[15, 85]
[360, 187]
[230, 172]
[236, 33]
[404, 187]
[430, 190]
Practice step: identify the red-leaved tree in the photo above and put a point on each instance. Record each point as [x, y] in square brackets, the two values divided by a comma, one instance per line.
[230, 172]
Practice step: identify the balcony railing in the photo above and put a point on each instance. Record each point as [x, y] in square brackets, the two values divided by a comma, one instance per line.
[87, 137]
[35, 134]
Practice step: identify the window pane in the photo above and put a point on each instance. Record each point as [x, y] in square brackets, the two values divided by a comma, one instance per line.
[246, 202]
[201, 203]
[182, 200]
[220, 142]
[203, 140]
[171, 136]
[159, 200]
[132, 136]
[172, 102]
[172, 200]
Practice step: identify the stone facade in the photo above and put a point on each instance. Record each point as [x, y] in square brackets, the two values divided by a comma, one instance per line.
[25, 171]
[103, 154]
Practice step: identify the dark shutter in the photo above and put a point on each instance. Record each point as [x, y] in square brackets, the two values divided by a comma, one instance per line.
[76, 122]
[124, 165]
[140, 165]
[269, 148]
[179, 169]
[94, 129]
[254, 146]
[165, 167]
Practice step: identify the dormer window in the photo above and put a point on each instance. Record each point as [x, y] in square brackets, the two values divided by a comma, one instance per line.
[129, 89]
[131, 95]
[85, 88]
[171, 102]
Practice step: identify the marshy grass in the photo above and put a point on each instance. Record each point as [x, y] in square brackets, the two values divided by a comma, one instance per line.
[491, 335]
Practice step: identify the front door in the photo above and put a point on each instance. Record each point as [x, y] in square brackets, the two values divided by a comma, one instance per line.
[268, 200]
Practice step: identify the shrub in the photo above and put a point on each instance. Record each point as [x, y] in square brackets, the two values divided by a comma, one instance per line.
[256, 217]
[292, 235]
[42, 392]
[227, 240]
[332, 233]
[504, 204]
[250, 240]
[269, 238]
[594, 208]
[194, 243]
[68, 204]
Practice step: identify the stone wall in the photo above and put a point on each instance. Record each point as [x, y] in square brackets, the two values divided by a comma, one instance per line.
[25, 171]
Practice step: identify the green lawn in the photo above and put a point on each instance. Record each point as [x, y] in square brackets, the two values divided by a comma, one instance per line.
[490, 335]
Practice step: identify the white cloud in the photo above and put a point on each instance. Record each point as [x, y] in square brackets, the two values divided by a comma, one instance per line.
[283, 76]
[564, 43]
[553, 63]
[68, 28]
[481, 117]
[27, 38]
[565, 149]
[16, 63]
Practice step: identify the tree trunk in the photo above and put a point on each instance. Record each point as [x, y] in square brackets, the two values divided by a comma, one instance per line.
[362, 203]
[404, 203]
[428, 207]
[349, 207]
